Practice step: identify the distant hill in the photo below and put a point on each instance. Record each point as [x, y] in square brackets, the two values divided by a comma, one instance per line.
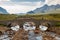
[30, 12]
[45, 9]
[3, 11]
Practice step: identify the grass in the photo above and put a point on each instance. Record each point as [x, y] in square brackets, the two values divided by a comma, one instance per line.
[52, 17]
[46, 16]
[57, 24]
[37, 17]
[2, 25]
[7, 17]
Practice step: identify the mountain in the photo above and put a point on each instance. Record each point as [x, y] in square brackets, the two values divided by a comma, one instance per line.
[31, 12]
[21, 13]
[45, 9]
[3, 11]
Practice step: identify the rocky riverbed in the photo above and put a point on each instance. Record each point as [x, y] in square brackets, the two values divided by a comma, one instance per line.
[52, 34]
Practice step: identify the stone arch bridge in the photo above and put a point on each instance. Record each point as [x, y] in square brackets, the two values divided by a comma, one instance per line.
[21, 21]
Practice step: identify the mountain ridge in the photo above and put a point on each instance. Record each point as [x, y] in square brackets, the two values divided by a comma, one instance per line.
[45, 9]
[3, 11]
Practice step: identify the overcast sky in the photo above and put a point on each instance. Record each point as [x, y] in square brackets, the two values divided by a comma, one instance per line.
[23, 6]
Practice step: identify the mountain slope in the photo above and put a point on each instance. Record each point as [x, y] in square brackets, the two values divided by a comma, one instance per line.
[3, 11]
[45, 9]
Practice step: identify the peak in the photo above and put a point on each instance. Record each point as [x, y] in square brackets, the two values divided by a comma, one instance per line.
[3, 11]
[46, 8]
[45, 5]
[1, 8]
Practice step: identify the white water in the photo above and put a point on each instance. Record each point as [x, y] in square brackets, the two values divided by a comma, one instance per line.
[27, 26]
[33, 36]
[57, 37]
[43, 28]
[15, 28]
[4, 37]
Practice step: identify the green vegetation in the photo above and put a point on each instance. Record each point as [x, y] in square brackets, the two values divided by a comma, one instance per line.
[37, 17]
[53, 17]
[57, 24]
[7, 17]
[45, 16]
[2, 25]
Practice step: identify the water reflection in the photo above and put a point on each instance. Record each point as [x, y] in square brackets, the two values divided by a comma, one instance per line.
[43, 28]
[52, 34]
[4, 37]
[57, 38]
[7, 35]
[29, 26]
[33, 36]
[15, 28]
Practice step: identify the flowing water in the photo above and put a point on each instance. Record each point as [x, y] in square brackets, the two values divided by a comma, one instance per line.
[33, 36]
[57, 37]
[4, 37]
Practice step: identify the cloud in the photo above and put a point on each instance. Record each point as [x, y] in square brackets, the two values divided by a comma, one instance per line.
[18, 8]
[52, 2]
[23, 7]
[30, 3]
[27, 0]
[20, 3]
[4, 0]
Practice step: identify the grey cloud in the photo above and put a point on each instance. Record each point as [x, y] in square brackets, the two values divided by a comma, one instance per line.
[27, 0]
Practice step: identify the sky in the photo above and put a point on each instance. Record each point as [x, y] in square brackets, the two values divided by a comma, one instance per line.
[23, 6]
